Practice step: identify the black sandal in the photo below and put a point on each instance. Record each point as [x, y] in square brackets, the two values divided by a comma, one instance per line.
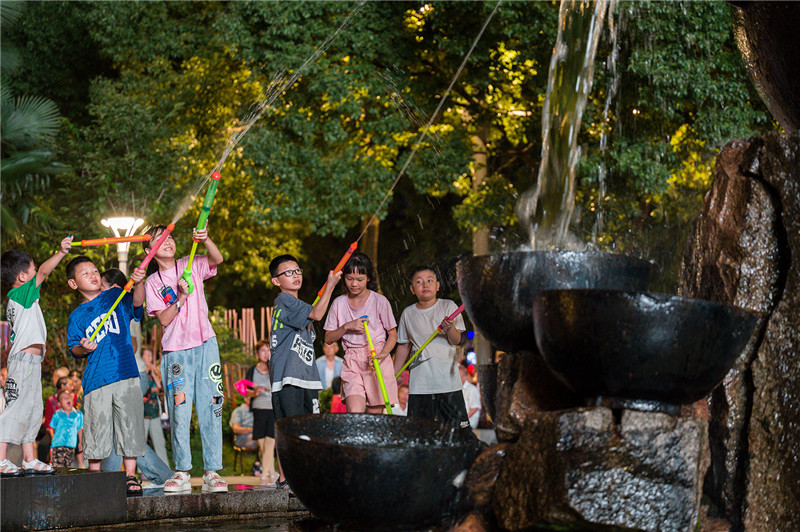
[131, 483]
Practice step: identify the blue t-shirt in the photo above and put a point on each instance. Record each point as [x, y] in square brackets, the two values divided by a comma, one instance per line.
[292, 345]
[113, 360]
[66, 427]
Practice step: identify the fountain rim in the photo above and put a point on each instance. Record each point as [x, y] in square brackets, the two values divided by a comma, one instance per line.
[661, 297]
[371, 446]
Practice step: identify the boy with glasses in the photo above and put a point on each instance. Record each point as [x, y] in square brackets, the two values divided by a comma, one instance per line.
[295, 378]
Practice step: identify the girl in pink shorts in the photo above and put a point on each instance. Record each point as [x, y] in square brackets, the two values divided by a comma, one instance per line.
[361, 389]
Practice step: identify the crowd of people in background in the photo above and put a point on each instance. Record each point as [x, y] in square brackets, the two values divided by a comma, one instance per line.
[122, 377]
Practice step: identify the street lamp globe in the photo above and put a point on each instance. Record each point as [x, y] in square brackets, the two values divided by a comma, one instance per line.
[122, 226]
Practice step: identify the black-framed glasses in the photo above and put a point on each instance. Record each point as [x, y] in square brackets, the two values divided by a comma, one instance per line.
[291, 273]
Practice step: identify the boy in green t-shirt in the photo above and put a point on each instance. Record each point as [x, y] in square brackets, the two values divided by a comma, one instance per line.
[20, 421]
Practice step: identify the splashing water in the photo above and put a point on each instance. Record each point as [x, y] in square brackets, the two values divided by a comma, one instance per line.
[280, 83]
[548, 207]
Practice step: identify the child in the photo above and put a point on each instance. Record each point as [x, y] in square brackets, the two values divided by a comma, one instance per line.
[22, 416]
[261, 408]
[434, 382]
[190, 362]
[66, 431]
[112, 394]
[361, 389]
[295, 379]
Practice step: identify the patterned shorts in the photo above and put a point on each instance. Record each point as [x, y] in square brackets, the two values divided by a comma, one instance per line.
[62, 456]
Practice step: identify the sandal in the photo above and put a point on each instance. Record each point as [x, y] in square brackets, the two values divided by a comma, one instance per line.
[37, 467]
[133, 488]
[9, 470]
[282, 485]
[178, 483]
[214, 483]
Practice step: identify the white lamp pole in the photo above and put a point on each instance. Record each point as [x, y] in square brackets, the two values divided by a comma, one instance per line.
[123, 226]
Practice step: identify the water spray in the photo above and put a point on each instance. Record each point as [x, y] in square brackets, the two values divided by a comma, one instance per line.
[377, 365]
[337, 269]
[202, 221]
[129, 284]
[451, 317]
[112, 240]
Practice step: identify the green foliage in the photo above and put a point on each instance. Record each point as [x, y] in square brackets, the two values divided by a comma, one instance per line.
[325, 399]
[152, 92]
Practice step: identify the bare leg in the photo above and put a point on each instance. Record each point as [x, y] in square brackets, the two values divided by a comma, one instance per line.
[94, 465]
[28, 452]
[268, 457]
[375, 409]
[356, 404]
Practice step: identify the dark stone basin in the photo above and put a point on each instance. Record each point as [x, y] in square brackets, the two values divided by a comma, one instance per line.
[497, 290]
[374, 472]
[639, 346]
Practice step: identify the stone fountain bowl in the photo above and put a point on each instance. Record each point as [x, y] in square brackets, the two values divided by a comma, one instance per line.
[639, 348]
[373, 472]
[497, 290]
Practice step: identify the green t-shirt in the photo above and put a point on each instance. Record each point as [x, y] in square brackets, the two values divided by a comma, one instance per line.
[25, 317]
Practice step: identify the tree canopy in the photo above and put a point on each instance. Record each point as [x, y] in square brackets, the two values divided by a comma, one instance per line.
[151, 92]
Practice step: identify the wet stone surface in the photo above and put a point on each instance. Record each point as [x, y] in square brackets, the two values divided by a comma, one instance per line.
[585, 468]
[525, 385]
[744, 250]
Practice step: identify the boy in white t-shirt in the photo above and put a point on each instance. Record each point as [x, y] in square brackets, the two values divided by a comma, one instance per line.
[434, 382]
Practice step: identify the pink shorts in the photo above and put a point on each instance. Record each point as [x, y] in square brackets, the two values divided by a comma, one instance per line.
[358, 376]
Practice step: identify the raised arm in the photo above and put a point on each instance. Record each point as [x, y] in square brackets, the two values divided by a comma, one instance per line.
[319, 310]
[214, 254]
[50, 264]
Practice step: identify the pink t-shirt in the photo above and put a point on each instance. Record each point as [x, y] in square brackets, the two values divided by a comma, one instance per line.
[191, 327]
[378, 309]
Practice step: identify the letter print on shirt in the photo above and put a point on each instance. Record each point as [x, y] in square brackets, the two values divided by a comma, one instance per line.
[303, 350]
[111, 326]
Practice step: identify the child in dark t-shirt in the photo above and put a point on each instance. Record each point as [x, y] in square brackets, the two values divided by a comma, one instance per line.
[295, 378]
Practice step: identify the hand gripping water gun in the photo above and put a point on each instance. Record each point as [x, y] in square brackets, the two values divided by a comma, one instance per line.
[112, 240]
[201, 224]
[377, 365]
[129, 284]
[429, 340]
[337, 269]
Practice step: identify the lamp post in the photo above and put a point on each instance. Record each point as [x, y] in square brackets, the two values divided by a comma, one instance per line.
[123, 226]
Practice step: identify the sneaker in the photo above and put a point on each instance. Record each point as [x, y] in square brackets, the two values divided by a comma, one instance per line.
[178, 483]
[214, 483]
[37, 468]
[9, 470]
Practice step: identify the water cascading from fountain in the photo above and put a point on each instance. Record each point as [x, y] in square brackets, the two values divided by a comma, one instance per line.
[547, 208]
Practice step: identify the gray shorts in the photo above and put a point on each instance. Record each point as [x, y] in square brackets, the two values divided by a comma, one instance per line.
[114, 413]
[22, 417]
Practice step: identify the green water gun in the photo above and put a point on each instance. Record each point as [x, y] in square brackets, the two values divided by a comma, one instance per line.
[201, 224]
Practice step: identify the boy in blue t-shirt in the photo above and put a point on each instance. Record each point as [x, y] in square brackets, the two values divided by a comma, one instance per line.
[66, 431]
[113, 408]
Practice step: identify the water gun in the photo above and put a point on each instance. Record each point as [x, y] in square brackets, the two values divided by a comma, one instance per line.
[201, 224]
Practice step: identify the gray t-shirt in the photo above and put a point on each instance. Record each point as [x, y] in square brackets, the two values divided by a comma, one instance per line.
[292, 344]
[262, 401]
[435, 369]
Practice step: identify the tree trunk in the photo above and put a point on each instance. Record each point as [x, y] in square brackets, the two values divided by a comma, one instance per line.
[369, 244]
[480, 237]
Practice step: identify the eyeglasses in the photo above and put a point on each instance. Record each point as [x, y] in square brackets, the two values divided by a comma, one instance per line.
[291, 273]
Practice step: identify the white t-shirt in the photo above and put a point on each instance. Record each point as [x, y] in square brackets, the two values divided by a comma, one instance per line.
[435, 370]
[472, 399]
[136, 332]
[398, 411]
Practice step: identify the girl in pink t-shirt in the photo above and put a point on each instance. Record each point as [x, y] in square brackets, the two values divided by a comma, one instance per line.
[361, 389]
